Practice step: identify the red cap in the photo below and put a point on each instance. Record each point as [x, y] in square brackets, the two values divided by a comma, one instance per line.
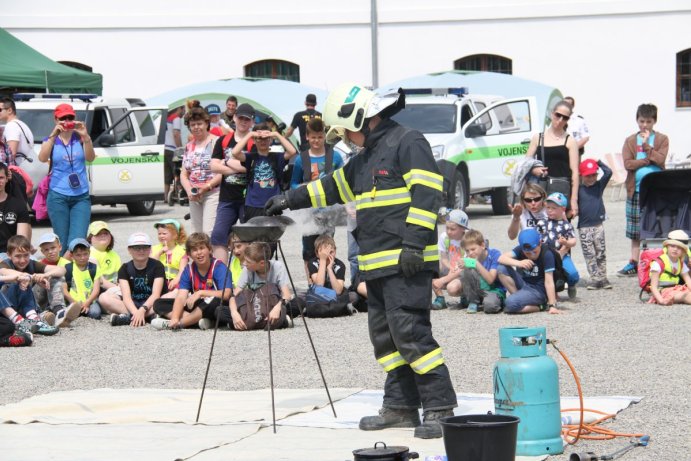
[64, 109]
[588, 166]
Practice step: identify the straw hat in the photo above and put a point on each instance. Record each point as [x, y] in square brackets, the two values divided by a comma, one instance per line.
[676, 243]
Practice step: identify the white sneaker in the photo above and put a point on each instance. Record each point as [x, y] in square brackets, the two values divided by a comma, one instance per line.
[205, 324]
[160, 323]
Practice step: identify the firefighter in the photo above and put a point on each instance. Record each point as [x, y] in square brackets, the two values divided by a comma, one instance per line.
[397, 189]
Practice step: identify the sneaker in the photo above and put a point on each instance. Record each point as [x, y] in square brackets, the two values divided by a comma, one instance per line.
[352, 310]
[472, 309]
[389, 417]
[43, 328]
[289, 322]
[571, 291]
[206, 324]
[630, 269]
[66, 316]
[18, 339]
[48, 317]
[26, 326]
[118, 320]
[430, 428]
[606, 284]
[593, 285]
[438, 303]
[162, 324]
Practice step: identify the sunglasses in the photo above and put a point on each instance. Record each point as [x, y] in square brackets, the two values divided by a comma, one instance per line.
[532, 199]
[562, 116]
[67, 118]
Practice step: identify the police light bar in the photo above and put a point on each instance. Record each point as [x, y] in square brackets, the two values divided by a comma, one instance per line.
[29, 96]
[460, 91]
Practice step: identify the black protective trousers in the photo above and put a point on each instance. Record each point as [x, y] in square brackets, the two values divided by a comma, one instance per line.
[399, 320]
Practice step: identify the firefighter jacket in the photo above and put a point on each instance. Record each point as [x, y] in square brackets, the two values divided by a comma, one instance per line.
[397, 190]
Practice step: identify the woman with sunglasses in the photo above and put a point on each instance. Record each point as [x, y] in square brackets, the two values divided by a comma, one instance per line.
[561, 157]
[68, 148]
[525, 215]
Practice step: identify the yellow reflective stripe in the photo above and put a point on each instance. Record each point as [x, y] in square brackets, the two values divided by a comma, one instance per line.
[378, 260]
[428, 362]
[421, 217]
[430, 253]
[317, 195]
[378, 198]
[424, 178]
[343, 188]
[392, 361]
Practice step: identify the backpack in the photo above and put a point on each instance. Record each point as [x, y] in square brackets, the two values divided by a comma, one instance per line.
[559, 272]
[229, 137]
[307, 161]
[254, 306]
[322, 302]
[69, 267]
[644, 261]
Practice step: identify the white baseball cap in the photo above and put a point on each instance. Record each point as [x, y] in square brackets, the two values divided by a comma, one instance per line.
[48, 237]
[138, 239]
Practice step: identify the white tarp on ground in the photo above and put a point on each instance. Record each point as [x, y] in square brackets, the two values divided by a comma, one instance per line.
[158, 424]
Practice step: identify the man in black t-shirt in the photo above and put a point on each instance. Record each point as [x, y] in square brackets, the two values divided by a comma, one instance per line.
[302, 118]
[14, 215]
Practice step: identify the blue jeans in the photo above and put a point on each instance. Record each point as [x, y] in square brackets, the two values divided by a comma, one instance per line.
[526, 294]
[94, 311]
[572, 276]
[69, 215]
[22, 300]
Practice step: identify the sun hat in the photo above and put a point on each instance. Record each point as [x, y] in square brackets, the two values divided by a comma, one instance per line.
[529, 239]
[78, 242]
[458, 217]
[97, 226]
[588, 167]
[163, 222]
[678, 235]
[558, 198]
[676, 243]
[48, 237]
[139, 239]
[64, 109]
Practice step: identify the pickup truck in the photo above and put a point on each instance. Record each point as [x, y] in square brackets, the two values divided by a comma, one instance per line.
[477, 140]
[128, 139]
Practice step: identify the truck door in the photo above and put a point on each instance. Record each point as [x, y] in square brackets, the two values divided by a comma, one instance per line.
[495, 139]
[129, 146]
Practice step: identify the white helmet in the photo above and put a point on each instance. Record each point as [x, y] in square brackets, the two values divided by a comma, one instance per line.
[349, 105]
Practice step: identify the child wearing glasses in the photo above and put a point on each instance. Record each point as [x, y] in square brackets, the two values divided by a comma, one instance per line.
[527, 273]
[592, 215]
[529, 212]
[450, 258]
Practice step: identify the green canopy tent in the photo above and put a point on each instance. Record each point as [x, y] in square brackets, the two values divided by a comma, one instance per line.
[23, 68]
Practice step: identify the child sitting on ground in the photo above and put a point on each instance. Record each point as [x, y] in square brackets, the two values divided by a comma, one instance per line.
[52, 300]
[20, 294]
[237, 251]
[557, 232]
[82, 281]
[171, 252]
[667, 274]
[202, 284]
[141, 282]
[9, 336]
[102, 253]
[591, 215]
[450, 258]
[328, 272]
[479, 276]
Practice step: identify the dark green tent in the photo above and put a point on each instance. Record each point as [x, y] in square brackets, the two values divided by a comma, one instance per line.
[23, 68]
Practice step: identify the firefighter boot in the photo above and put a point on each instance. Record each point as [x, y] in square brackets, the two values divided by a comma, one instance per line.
[430, 428]
[389, 417]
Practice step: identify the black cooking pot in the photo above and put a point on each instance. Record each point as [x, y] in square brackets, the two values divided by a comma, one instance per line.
[381, 452]
[262, 228]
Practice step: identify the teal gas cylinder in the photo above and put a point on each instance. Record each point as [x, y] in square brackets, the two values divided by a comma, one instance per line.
[526, 385]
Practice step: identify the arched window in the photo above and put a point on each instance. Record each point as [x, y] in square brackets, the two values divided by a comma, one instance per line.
[484, 62]
[273, 68]
[684, 78]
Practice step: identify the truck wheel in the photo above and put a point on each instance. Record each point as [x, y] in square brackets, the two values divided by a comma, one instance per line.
[144, 208]
[500, 201]
[459, 194]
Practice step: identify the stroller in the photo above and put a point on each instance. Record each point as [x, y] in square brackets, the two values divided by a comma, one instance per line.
[177, 192]
[665, 199]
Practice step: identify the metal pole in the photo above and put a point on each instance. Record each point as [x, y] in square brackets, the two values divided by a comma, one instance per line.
[375, 46]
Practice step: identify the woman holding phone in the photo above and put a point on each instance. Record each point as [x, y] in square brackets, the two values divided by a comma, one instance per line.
[68, 148]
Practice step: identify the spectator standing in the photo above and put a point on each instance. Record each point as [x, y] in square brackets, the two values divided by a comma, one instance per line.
[577, 127]
[200, 183]
[14, 216]
[302, 118]
[644, 152]
[590, 228]
[17, 135]
[173, 142]
[215, 120]
[68, 148]
[228, 115]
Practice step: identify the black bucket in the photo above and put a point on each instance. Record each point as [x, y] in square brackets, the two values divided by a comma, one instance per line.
[480, 437]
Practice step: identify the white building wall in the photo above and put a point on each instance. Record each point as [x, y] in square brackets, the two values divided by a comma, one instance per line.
[610, 55]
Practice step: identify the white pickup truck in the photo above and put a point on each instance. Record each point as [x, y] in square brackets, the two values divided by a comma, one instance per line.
[476, 140]
[128, 139]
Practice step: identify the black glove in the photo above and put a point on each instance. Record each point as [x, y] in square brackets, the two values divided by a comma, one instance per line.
[411, 261]
[275, 205]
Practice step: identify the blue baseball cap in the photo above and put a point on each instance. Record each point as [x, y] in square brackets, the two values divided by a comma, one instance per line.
[558, 198]
[213, 109]
[79, 242]
[529, 239]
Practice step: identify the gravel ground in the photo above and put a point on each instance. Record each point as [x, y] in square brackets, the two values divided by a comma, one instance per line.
[618, 345]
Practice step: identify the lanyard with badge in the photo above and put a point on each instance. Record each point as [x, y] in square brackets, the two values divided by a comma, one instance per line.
[73, 177]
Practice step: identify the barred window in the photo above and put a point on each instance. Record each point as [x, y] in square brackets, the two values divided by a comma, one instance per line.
[273, 68]
[684, 78]
[485, 63]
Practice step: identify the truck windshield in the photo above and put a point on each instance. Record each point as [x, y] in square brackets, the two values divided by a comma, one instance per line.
[428, 118]
[42, 121]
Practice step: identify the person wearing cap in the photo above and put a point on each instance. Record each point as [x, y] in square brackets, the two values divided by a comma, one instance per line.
[302, 118]
[683, 237]
[82, 280]
[231, 200]
[397, 188]
[670, 282]
[558, 233]
[591, 230]
[67, 148]
[106, 258]
[14, 215]
[17, 135]
[215, 120]
[451, 254]
[50, 246]
[170, 251]
[527, 273]
[196, 177]
[141, 281]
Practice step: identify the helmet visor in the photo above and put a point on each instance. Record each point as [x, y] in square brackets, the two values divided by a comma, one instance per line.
[335, 134]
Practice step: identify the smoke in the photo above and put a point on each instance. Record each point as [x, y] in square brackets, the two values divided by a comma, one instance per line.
[314, 221]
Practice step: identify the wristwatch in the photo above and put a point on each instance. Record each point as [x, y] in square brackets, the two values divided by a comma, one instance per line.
[144, 306]
[225, 162]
